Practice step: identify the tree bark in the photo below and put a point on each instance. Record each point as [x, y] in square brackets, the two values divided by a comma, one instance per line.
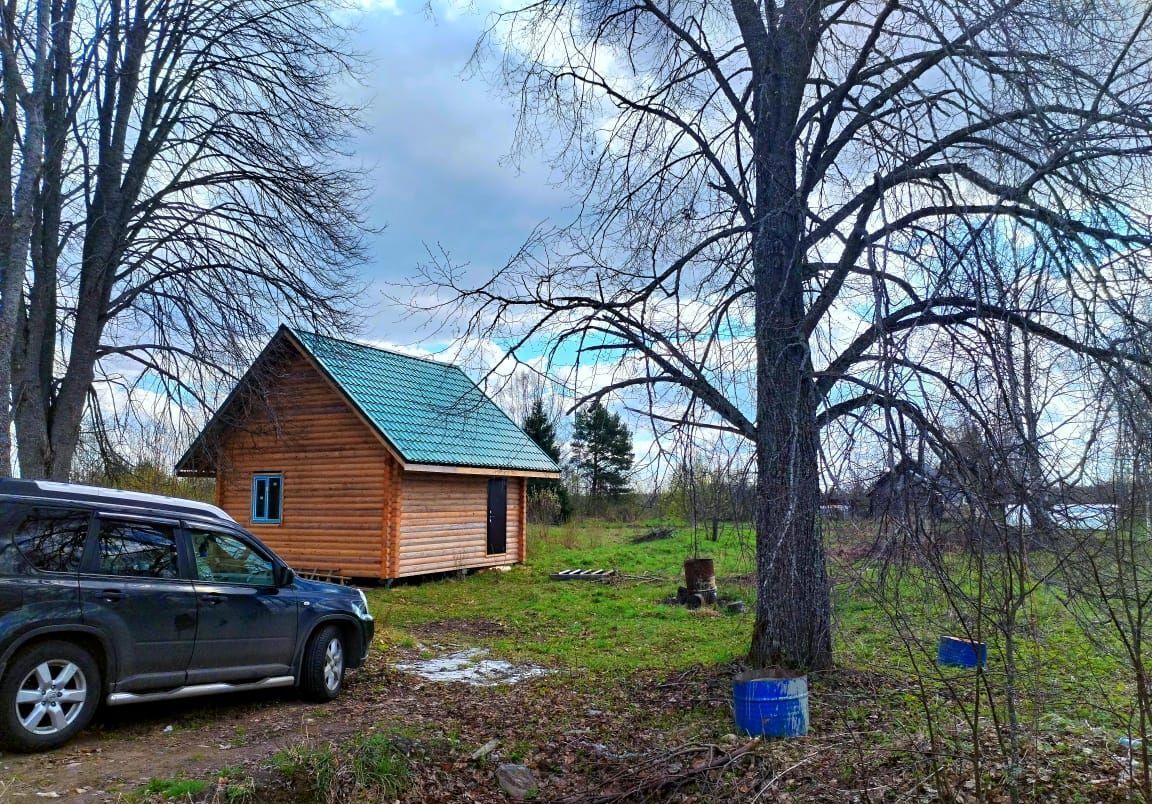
[793, 606]
[14, 258]
[793, 609]
[34, 355]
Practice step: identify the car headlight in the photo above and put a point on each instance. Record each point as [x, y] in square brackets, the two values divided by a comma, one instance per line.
[361, 606]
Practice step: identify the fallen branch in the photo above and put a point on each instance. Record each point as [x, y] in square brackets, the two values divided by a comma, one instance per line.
[772, 782]
[685, 677]
[653, 534]
[717, 759]
[646, 578]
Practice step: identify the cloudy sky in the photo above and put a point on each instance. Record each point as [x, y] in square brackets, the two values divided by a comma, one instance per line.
[437, 153]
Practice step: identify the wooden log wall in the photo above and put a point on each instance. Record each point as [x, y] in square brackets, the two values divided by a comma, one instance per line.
[338, 477]
[393, 488]
[443, 523]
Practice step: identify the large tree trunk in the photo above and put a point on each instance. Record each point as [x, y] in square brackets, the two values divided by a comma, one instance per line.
[33, 361]
[793, 609]
[51, 423]
[35, 350]
[67, 411]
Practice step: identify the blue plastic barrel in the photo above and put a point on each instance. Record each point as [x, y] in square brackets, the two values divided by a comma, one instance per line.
[771, 707]
[957, 652]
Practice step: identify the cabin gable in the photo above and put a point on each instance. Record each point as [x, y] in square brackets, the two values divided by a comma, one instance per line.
[338, 479]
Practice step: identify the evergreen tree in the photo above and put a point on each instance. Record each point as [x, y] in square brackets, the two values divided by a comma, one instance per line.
[540, 429]
[602, 451]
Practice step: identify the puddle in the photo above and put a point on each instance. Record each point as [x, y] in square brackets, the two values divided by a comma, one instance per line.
[470, 667]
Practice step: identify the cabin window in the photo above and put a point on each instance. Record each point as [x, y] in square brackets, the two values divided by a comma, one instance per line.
[267, 498]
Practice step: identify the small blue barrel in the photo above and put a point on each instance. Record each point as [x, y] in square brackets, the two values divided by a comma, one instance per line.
[771, 707]
[957, 652]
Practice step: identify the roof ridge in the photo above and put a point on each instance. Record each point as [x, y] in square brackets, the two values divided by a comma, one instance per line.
[439, 418]
[362, 345]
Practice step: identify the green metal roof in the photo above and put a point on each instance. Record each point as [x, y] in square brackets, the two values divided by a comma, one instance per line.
[430, 412]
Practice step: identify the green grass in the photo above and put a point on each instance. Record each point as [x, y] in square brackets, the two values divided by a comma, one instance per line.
[173, 788]
[370, 767]
[616, 629]
[237, 785]
[315, 763]
[377, 765]
[599, 627]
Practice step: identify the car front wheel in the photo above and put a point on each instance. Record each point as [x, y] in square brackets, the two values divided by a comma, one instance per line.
[48, 694]
[322, 672]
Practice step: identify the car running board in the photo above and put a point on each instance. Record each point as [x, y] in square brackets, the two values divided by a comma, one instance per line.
[119, 698]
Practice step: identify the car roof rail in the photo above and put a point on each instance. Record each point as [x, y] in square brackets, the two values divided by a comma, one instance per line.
[96, 495]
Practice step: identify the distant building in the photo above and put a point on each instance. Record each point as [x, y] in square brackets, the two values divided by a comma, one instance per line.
[909, 486]
[1087, 516]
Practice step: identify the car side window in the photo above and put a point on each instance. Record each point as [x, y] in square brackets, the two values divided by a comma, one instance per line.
[48, 539]
[137, 550]
[225, 558]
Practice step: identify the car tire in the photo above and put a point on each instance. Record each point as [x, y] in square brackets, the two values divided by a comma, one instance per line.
[49, 692]
[322, 671]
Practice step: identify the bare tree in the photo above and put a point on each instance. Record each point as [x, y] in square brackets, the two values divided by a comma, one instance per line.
[519, 394]
[189, 194]
[21, 102]
[775, 198]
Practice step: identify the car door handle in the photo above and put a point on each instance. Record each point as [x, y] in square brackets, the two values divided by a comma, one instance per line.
[212, 598]
[112, 595]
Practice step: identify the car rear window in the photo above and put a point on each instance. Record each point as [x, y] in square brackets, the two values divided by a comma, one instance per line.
[137, 549]
[47, 539]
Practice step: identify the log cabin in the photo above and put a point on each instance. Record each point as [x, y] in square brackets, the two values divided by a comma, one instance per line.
[366, 463]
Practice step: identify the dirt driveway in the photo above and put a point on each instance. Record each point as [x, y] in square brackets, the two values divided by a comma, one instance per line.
[442, 722]
[130, 745]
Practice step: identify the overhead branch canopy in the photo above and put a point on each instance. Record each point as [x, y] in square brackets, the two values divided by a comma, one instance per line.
[189, 194]
[927, 140]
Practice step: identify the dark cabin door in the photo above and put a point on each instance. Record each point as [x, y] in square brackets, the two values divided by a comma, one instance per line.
[497, 515]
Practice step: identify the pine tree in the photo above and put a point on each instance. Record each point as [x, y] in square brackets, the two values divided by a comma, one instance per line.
[602, 451]
[540, 429]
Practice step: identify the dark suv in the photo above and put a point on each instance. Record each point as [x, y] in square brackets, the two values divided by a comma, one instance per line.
[123, 597]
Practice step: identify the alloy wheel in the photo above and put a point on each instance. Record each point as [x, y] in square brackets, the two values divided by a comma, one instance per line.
[333, 664]
[51, 696]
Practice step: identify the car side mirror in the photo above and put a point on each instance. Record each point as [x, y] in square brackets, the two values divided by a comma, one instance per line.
[282, 575]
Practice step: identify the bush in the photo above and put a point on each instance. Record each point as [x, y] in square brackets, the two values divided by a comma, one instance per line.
[548, 506]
